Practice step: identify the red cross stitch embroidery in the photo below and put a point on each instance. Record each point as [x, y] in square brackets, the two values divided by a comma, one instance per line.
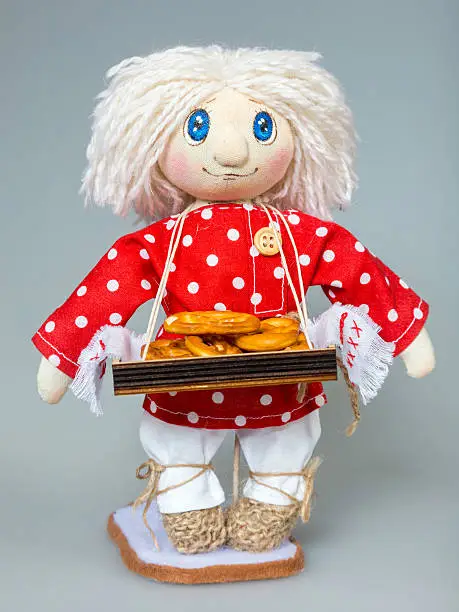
[357, 329]
[352, 343]
[350, 359]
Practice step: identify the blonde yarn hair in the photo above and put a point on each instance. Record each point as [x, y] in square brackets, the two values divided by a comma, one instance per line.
[147, 98]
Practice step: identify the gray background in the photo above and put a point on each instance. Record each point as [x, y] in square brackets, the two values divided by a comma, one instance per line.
[384, 531]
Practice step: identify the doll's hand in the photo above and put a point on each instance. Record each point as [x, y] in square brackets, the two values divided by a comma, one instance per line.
[419, 357]
[51, 382]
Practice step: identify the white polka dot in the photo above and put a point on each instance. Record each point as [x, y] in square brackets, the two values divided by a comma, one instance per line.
[170, 224]
[81, 322]
[321, 232]
[218, 397]
[274, 225]
[247, 206]
[240, 421]
[254, 251]
[187, 240]
[144, 254]
[417, 313]
[193, 288]
[320, 400]
[149, 238]
[193, 417]
[279, 272]
[233, 234]
[365, 308]
[115, 318]
[82, 291]
[358, 246]
[113, 285]
[172, 393]
[173, 267]
[365, 278]
[329, 256]
[112, 253]
[153, 406]
[219, 306]
[256, 299]
[212, 260]
[331, 294]
[403, 284]
[54, 360]
[49, 327]
[336, 283]
[392, 315]
[145, 284]
[238, 282]
[305, 260]
[265, 400]
[293, 219]
[286, 417]
[207, 213]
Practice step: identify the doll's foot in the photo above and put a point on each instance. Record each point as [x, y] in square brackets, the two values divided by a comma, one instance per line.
[196, 531]
[254, 526]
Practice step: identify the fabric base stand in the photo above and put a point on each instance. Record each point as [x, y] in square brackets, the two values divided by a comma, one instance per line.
[128, 532]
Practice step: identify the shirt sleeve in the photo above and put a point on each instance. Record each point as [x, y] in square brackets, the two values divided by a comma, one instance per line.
[121, 282]
[350, 274]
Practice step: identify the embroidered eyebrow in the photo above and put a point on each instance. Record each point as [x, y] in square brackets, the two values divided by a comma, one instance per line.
[208, 101]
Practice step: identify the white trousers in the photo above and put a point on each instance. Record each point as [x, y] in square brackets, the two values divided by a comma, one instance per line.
[274, 449]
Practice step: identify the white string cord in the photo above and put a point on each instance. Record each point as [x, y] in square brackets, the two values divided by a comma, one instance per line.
[173, 245]
[297, 261]
[302, 308]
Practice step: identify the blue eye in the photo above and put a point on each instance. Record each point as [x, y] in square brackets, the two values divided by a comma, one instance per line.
[197, 126]
[264, 128]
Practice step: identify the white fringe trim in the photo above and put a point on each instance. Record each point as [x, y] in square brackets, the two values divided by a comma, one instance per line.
[372, 358]
[110, 342]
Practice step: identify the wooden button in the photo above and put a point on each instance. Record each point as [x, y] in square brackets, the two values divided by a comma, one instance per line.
[265, 241]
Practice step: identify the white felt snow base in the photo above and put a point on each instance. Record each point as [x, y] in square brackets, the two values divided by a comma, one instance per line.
[127, 530]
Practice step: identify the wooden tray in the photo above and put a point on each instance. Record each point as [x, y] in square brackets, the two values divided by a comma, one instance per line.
[246, 370]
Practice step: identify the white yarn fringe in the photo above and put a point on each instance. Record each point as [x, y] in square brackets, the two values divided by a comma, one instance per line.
[370, 360]
[110, 342]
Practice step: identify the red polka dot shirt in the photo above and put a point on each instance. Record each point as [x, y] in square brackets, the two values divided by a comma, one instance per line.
[218, 266]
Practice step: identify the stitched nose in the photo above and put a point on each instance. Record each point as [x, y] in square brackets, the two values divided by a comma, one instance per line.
[232, 149]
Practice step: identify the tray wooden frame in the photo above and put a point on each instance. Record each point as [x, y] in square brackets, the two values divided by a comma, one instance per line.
[226, 371]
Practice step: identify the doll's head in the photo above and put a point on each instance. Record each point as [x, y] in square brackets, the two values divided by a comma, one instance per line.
[220, 125]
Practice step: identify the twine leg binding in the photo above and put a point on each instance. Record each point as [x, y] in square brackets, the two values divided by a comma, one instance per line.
[308, 473]
[256, 526]
[151, 470]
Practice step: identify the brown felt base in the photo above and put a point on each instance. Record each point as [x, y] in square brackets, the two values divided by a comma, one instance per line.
[205, 575]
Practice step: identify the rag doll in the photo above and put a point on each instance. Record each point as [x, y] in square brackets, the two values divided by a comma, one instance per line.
[253, 142]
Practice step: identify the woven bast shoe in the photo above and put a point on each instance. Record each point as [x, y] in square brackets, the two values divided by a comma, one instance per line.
[196, 531]
[254, 526]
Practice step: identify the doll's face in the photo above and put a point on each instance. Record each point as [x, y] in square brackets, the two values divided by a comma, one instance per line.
[230, 148]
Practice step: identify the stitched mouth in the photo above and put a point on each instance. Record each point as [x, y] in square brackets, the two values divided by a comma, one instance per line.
[230, 176]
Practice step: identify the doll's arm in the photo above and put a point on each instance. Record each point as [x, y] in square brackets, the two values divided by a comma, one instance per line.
[51, 382]
[419, 357]
[122, 280]
[350, 274]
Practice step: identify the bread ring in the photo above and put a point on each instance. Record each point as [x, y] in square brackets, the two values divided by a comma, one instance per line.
[211, 322]
[266, 341]
[209, 347]
[300, 345]
[167, 349]
[280, 325]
